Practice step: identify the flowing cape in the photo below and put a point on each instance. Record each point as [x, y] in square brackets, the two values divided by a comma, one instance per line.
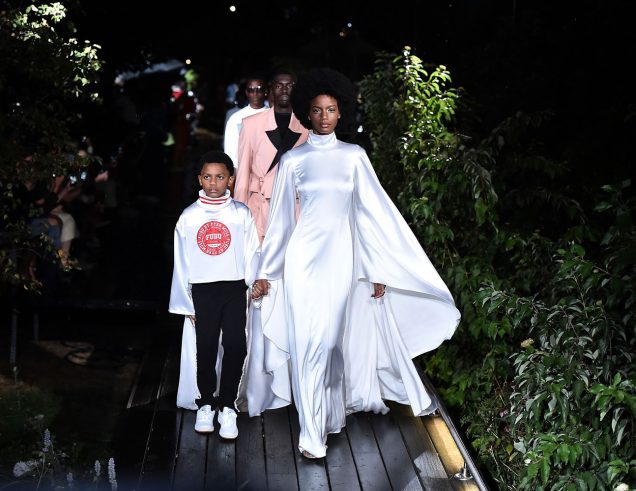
[381, 337]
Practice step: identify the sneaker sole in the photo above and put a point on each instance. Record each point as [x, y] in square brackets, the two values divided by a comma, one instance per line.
[204, 430]
[225, 436]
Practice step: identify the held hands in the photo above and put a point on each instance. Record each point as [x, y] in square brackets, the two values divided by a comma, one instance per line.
[260, 288]
[378, 290]
[193, 319]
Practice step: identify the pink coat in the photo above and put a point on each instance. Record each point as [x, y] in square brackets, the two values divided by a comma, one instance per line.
[257, 150]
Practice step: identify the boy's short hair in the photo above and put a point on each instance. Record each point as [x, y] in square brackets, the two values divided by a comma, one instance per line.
[217, 157]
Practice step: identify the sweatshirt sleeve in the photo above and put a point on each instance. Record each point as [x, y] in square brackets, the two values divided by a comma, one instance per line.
[180, 298]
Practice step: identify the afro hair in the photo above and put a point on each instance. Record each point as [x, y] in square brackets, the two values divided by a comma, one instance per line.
[324, 81]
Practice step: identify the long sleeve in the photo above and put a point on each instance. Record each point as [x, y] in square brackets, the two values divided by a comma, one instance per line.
[180, 300]
[252, 250]
[282, 220]
[231, 137]
[243, 171]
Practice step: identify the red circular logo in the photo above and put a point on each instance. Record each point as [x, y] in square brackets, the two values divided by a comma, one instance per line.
[214, 238]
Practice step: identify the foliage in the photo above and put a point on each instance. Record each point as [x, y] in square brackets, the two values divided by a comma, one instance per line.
[542, 363]
[51, 469]
[27, 412]
[45, 75]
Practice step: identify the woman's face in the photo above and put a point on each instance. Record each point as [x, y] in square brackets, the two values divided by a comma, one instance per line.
[324, 114]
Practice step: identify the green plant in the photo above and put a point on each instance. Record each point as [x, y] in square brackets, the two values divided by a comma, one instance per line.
[50, 469]
[541, 365]
[46, 73]
[25, 411]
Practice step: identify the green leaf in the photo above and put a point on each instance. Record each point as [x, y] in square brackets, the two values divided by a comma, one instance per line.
[563, 453]
[545, 471]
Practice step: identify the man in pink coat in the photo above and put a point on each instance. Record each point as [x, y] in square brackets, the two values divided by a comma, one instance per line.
[264, 138]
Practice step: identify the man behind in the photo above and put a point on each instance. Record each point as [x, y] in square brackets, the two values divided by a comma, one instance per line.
[264, 138]
[256, 92]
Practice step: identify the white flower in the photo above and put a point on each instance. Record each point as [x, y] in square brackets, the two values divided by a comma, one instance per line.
[621, 486]
[527, 343]
[112, 477]
[21, 468]
[527, 461]
[47, 440]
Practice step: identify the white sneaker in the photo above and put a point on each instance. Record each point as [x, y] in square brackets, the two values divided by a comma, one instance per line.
[205, 420]
[227, 420]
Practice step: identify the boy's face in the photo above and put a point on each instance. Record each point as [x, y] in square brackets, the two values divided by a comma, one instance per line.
[214, 179]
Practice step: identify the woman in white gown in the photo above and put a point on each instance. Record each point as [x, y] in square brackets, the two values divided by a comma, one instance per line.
[322, 279]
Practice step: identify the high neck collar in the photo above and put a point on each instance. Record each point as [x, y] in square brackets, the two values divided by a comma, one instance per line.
[214, 203]
[322, 140]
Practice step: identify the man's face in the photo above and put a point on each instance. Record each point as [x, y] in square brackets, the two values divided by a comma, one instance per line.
[281, 88]
[256, 92]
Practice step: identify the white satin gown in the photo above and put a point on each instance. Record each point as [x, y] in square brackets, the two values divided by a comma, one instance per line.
[319, 328]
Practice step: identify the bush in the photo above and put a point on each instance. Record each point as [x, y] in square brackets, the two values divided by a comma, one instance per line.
[541, 366]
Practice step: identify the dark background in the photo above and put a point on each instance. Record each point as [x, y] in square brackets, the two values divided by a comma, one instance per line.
[573, 57]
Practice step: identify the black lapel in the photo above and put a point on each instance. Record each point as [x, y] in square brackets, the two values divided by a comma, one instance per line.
[288, 142]
[274, 137]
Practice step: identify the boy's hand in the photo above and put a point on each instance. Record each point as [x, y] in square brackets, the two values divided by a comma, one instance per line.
[260, 288]
[193, 318]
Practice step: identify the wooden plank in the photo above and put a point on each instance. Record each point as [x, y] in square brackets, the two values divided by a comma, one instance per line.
[366, 453]
[279, 451]
[149, 376]
[250, 454]
[167, 396]
[160, 460]
[312, 475]
[189, 472]
[449, 453]
[341, 467]
[130, 444]
[133, 433]
[161, 451]
[421, 449]
[221, 463]
[395, 456]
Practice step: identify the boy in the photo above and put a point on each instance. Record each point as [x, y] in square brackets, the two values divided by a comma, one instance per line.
[215, 253]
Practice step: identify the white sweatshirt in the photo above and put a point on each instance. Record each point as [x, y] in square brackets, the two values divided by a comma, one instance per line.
[214, 240]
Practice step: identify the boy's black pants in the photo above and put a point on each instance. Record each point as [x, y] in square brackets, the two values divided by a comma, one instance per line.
[219, 307]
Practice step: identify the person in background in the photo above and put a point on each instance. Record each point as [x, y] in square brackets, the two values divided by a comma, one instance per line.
[256, 93]
[264, 138]
[215, 252]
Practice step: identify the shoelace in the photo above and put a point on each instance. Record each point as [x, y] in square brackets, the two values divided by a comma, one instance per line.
[227, 417]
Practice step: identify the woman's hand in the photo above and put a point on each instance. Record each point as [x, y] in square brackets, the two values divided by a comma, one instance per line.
[378, 290]
[260, 288]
